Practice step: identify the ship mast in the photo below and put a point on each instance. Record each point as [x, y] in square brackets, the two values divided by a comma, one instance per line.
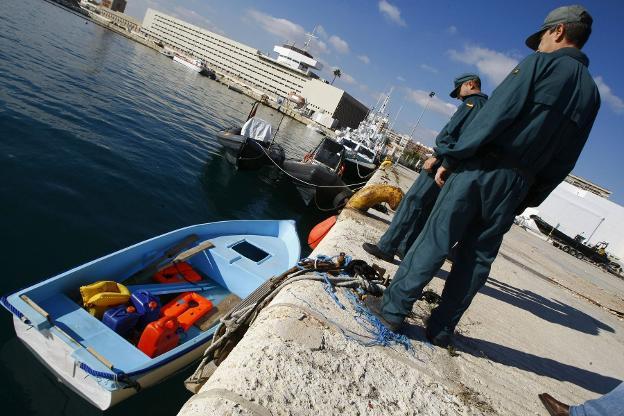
[310, 36]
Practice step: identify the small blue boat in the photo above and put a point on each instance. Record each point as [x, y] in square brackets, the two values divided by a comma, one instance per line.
[105, 367]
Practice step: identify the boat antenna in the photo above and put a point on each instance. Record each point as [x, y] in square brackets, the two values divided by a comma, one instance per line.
[396, 116]
[310, 36]
[431, 95]
[382, 109]
[278, 127]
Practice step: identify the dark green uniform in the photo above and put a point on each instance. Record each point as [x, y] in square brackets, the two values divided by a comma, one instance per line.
[417, 203]
[522, 144]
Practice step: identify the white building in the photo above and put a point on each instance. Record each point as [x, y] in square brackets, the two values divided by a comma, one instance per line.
[291, 72]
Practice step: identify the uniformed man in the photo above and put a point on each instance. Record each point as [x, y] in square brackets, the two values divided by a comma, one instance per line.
[520, 146]
[416, 205]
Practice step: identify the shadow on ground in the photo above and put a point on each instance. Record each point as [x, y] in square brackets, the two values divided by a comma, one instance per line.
[550, 310]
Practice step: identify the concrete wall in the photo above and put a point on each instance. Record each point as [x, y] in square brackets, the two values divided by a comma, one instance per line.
[321, 96]
[578, 211]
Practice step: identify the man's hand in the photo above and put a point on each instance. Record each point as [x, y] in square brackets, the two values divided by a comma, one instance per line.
[441, 175]
[428, 165]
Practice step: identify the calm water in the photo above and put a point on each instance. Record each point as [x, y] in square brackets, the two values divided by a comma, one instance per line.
[104, 143]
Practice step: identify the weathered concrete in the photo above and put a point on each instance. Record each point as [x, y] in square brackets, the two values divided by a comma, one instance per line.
[523, 335]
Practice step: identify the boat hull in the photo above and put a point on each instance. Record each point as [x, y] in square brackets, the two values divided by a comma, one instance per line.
[54, 353]
[187, 64]
[357, 171]
[317, 185]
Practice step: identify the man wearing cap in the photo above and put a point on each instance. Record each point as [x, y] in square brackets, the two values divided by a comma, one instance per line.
[522, 144]
[416, 205]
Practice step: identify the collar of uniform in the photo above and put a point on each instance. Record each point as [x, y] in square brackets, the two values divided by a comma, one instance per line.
[480, 94]
[573, 53]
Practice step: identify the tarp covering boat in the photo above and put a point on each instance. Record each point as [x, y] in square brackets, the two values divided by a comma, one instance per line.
[257, 129]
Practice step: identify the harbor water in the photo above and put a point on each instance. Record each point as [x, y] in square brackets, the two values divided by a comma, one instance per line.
[104, 143]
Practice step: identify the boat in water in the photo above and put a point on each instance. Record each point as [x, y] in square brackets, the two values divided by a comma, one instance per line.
[366, 144]
[207, 72]
[168, 53]
[192, 63]
[251, 146]
[318, 177]
[315, 129]
[248, 153]
[128, 320]
[360, 160]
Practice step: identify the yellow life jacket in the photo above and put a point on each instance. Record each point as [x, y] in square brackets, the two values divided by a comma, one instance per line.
[99, 296]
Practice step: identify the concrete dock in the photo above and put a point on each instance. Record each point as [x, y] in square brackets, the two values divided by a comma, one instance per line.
[545, 322]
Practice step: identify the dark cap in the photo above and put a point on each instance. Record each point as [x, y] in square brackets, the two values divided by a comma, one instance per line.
[460, 80]
[564, 14]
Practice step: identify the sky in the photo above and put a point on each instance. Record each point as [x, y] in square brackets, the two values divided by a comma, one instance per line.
[413, 47]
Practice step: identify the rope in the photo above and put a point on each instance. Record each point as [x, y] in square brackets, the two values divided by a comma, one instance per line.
[322, 265]
[12, 309]
[357, 167]
[116, 376]
[379, 332]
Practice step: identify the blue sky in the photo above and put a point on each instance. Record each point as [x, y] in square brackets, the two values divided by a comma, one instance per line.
[420, 46]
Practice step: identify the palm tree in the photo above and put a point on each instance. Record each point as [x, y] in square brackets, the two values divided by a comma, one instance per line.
[337, 73]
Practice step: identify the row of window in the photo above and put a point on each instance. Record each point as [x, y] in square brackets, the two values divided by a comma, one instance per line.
[286, 82]
[235, 70]
[211, 39]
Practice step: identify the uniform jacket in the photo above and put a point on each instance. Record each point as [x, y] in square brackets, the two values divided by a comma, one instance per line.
[465, 113]
[539, 117]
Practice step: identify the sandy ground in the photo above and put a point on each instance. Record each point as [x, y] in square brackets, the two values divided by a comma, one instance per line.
[543, 323]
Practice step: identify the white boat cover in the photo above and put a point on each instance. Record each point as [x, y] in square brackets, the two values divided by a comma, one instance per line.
[257, 129]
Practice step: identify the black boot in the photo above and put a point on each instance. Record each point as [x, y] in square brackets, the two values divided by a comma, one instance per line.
[376, 251]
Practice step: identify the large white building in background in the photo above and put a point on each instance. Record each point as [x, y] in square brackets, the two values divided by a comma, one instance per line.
[578, 206]
[291, 72]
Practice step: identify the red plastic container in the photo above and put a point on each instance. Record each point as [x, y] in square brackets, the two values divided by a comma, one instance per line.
[187, 308]
[159, 337]
[180, 272]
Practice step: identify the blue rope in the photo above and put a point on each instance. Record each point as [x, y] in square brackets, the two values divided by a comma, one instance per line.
[379, 333]
[11, 308]
[329, 288]
[99, 374]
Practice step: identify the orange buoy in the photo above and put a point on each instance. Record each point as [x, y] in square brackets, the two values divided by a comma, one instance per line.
[320, 230]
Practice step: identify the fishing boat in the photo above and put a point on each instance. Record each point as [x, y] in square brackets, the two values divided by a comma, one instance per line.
[212, 263]
[251, 146]
[366, 144]
[318, 177]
